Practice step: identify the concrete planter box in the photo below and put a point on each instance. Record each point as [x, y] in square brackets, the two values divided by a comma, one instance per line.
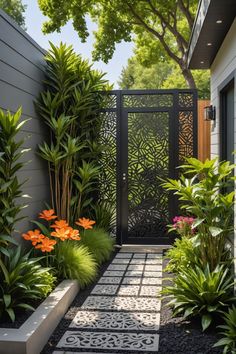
[32, 336]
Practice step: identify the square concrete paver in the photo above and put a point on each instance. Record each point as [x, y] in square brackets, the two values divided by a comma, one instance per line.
[139, 256]
[152, 274]
[138, 267]
[120, 261]
[115, 273]
[104, 289]
[133, 273]
[109, 280]
[110, 341]
[152, 281]
[150, 291]
[131, 290]
[154, 255]
[153, 261]
[124, 255]
[153, 268]
[137, 261]
[117, 267]
[131, 281]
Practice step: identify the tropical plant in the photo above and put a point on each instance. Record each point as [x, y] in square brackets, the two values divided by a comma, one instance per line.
[104, 215]
[205, 190]
[229, 332]
[182, 255]
[201, 292]
[74, 261]
[15, 9]
[99, 243]
[10, 187]
[70, 106]
[22, 281]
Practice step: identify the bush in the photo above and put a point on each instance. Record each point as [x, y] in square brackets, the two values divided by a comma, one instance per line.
[198, 292]
[22, 281]
[99, 243]
[74, 261]
[229, 332]
[182, 255]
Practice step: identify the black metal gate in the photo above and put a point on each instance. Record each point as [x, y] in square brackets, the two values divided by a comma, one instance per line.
[146, 135]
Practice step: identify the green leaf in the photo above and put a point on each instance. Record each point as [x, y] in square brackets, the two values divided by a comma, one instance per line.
[7, 299]
[197, 222]
[11, 314]
[206, 321]
[215, 231]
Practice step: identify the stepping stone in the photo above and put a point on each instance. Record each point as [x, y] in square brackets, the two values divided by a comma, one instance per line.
[137, 261]
[117, 273]
[150, 291]
[153, 261]
[117, 267]
[129, 280]
[120, 303]
[151, 281]
[133, 273]
[124, 255]
[104, 289]
[110, 340]
[154, 255]
[131, 290]
[116, 321]
[152, 274]
[138, 267]
[153, 268]
[120, 261]
[109, 280]
[139, 255]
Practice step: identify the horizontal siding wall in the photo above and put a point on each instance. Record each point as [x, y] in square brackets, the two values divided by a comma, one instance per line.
[21, 77]
[223, 69]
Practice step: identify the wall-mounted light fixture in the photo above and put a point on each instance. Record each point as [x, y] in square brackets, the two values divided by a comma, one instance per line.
[209, 113]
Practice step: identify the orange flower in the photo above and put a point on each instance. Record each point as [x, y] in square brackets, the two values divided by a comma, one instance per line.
[47, 215]
[33, 236]
[63, 233]
[85, 223]
[74, 234]
[60, 224]
[46, 245]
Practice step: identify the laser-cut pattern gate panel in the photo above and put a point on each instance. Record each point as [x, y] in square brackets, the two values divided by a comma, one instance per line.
[162, 130]
[148, 100]
[148, 159]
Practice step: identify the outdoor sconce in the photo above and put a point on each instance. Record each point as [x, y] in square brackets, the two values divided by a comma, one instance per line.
[209, 113]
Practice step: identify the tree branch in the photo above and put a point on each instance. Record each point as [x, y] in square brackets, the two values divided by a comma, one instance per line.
[186, 12]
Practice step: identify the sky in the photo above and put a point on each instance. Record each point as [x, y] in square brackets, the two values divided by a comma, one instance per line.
[34, 19]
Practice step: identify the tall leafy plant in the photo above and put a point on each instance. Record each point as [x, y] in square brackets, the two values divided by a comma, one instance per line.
[70, 105]
[10, 187]
[205, 191]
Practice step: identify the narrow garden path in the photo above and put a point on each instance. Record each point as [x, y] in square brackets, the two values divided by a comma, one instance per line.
[122, 312]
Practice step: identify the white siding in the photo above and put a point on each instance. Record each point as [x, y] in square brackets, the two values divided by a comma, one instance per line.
[223, 66]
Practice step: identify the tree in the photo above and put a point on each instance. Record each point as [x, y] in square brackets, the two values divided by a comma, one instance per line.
[15, 9]
[162, 75]
[156, 26]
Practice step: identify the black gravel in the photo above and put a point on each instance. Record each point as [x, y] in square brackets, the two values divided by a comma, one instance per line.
[177, 335]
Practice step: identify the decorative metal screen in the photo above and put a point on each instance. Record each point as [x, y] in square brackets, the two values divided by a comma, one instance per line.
[146, 135]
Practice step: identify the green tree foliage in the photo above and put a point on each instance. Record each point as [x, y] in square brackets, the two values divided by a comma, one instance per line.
[15, 9]
[162, 75]
[159, 28]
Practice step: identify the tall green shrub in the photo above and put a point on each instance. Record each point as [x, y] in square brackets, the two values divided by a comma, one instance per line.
[205, 192]
[70, 105]
[10, 187]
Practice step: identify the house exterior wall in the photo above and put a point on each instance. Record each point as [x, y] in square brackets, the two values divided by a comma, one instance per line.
[223, 70]
[21, 75]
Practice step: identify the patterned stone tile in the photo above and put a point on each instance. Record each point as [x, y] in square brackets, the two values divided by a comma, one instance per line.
[150, 290]
[120, 261]
[154, 255]
[137, 261]
[152, 274]
[109, 280]
[110, 340]
[133, 273]
[154, 268]
[138, 267]
[153, 261]
[131, 281]
[151, 281]
[139, 255]
[124, 255]
[104, 289]
[131, 290]
[116, 320]
[110, 273]
[117, 267]
[120, 303]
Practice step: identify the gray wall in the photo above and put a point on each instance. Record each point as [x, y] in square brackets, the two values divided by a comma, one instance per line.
[21, 75]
